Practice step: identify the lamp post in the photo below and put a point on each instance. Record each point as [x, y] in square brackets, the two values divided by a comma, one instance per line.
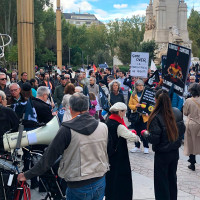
[82, 60]
[69, 55]
[87, 60]
[59, 35]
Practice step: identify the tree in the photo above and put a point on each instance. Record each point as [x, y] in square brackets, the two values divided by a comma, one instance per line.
[149, 47]
[194, 31]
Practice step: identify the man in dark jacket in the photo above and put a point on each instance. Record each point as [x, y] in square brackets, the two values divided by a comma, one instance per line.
[75, 140]
[8, 122]
[43, 110]
[59, 91]
[24, 79]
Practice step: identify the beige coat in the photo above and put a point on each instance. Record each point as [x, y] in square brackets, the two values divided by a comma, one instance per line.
[191, 109]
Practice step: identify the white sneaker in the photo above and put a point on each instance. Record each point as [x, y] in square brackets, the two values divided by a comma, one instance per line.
[146, 150]
[135, 150]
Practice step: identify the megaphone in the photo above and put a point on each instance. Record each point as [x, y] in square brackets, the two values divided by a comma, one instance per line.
[41, 135]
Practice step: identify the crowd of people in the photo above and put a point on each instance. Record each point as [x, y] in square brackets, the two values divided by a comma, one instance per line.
[92, 139]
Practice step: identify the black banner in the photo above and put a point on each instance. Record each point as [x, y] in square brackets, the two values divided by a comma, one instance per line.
[176, 70]
[153, 80]
[147, 101]
[164, 63]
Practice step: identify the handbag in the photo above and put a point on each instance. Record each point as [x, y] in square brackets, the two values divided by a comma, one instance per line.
[134, 117]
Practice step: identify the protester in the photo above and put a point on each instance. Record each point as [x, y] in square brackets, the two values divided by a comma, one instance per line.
[93, 103]
[3, 86]
[24, 79]
[191, 109]
[119, 178]
[108, 73]
[104, 88]
[47, 82]
[69, 91]
[59, 91]
[43, 110]
[124, 87]
[115, 95]
[8, 122]
[142, 119]
[26, 91]
[34, 85]
[166, 128]
[83, 173]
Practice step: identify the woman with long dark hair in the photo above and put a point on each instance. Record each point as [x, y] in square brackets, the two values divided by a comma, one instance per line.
[166, 128]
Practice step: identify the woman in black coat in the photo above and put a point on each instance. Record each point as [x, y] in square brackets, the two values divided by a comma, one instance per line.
[166, 128]
[119, 179]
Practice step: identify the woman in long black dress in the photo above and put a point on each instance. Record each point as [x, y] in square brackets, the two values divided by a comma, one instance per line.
[118, 179]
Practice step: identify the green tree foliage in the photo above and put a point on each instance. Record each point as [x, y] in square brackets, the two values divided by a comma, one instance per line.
[194, 31]
[125, 36]
[149, 47]
[97, 43]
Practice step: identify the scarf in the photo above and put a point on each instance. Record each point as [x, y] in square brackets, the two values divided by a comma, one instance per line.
[118, 119]
[121, 121]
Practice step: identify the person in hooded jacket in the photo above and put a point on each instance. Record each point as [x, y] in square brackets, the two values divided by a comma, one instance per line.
[82, 142]
[166, 127]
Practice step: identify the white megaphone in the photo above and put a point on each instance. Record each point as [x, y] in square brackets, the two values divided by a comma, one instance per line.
[41, 135]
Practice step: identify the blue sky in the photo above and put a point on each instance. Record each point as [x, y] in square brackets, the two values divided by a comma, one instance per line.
[106, 10]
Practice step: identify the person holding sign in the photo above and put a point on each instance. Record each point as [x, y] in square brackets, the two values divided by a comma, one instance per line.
[139, 120]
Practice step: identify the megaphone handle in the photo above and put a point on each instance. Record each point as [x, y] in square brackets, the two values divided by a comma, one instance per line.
[21, 129]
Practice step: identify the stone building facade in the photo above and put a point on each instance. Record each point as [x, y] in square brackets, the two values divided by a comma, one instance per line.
[166, 21]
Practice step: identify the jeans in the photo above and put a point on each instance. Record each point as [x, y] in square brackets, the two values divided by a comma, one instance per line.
[93, 191]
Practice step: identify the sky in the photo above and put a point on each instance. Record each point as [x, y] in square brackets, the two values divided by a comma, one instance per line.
[106, 10]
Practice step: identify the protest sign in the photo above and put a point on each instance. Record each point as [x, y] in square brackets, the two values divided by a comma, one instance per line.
[139, 64]
[153, 80]
[176, 70]
[147, 101]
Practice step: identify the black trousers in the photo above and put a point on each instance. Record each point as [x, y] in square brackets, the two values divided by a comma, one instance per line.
[165, 179]
[139, 127]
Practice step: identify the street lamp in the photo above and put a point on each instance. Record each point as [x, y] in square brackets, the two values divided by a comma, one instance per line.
[69, 55]
[87, 60]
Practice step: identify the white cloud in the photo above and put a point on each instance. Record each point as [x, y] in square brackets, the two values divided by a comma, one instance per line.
[74, 6]
[113, 16]
[119, 6]
[123, 10]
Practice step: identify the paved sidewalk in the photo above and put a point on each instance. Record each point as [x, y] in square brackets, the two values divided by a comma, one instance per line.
[143, 187]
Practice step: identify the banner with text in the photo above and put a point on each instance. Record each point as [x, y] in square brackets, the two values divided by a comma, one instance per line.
[147, 101]
[139, 64]
[176, 70]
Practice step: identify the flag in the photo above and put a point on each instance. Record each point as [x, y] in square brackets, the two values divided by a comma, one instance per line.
[103, 99]
[153, 66]
[30, 112]
[153, 80]
[94, 67]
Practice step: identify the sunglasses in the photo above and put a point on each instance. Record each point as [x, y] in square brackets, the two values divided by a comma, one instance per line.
[67, 78]
[3, 79]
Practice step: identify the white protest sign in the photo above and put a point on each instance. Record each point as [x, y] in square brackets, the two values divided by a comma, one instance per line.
[139, 64]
